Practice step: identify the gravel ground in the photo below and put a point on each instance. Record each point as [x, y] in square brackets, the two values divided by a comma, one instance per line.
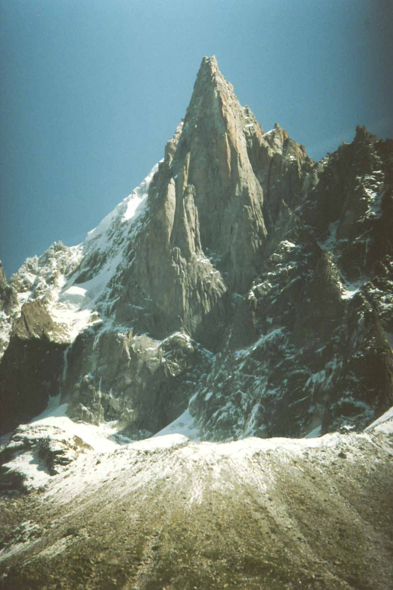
[253, 514]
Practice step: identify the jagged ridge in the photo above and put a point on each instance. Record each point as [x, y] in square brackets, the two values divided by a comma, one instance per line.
[227, 277]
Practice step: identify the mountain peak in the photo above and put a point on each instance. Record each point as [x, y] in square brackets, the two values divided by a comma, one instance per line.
[210, 86]
[216, 247]
[209, 62]
[240, 292]
[209, 69]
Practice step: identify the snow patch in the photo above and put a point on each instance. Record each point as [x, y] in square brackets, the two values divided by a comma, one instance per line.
[330, 241]
[184, 425]
[383, 424]
[287, 245]
[349, 290]
[98, 437]
[73, 296]
[315, 432]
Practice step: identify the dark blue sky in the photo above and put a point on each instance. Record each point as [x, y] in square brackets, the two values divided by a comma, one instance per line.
[91, 90]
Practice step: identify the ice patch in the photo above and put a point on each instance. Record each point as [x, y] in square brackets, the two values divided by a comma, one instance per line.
[315, 433]
[384, 423]
[349, 293]
[95, 287]
[23, 297]
[132, 207]
[53, 409]
[330, 241]
[74, 296]
[183, 425]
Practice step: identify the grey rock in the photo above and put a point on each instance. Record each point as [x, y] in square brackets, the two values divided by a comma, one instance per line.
[253, 281]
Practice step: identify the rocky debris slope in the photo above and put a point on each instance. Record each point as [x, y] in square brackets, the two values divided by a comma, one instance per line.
[40, 449]
[240, 278]
[171, 513]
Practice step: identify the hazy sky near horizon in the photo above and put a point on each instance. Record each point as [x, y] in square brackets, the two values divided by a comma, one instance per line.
[91, 90]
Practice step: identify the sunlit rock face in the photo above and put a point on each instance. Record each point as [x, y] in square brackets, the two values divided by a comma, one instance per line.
[241, 282]
[241, 294]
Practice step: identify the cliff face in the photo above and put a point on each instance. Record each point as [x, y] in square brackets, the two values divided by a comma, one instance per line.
[240, 275]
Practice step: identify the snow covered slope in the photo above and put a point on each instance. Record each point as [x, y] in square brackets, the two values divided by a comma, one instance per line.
[56, 278]
[171, 513]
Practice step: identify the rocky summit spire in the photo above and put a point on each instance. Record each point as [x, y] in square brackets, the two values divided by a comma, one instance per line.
[214, 104]
[208, 74]
[206, 210]
[209, 66]
[209, 86]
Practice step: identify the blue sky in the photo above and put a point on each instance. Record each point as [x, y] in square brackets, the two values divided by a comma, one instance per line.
[91, 90]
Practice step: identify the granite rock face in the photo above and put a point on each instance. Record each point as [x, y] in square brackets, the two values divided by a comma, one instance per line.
[241, 280]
